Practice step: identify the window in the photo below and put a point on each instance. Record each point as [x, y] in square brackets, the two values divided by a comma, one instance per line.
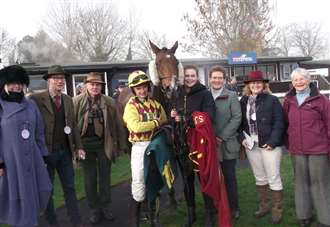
[269, 71]
[286, 69]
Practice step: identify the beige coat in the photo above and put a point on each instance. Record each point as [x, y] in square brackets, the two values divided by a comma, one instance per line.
[43, 101]
[114, 137]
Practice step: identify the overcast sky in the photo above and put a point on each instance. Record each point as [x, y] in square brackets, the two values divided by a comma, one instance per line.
[23, 17]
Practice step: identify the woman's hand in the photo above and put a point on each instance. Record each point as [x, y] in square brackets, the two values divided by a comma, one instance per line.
[2, 172]
[267, 147]
[174, 113]
[245, 144]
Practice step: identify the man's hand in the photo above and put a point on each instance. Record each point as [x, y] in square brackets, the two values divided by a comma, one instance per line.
[2, 172]
[80, 154]
[245, 144]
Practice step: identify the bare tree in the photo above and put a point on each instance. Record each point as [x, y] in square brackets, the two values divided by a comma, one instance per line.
[7, 45]
[222, 26]
[309, 39]
[92, 33]
[141, 48]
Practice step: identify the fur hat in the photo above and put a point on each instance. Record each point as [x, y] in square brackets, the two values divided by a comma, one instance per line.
[14, 74]
[255, 76]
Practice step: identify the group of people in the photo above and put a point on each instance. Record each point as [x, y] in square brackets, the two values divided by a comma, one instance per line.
[44, 133]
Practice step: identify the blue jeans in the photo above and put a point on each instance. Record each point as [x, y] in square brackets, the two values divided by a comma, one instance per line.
[61, 161]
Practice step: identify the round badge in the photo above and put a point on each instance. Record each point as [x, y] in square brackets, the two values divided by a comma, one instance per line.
[25, 134]
[254, 116]
[67, 130]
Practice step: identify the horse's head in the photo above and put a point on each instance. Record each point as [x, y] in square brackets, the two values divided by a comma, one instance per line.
[165, 69]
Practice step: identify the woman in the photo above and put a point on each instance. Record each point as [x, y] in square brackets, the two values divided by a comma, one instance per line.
[192, 96]
[142, 115]
[261, 133]
[307, 113]
[24, 182]
[227, 121]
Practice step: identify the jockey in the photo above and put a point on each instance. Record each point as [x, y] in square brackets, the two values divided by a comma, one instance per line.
[142, 115]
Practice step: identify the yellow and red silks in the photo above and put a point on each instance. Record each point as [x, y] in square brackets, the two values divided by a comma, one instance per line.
[202, 145]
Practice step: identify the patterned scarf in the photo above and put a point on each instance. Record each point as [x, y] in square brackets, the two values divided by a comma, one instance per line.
[252, 115]
[95, 115]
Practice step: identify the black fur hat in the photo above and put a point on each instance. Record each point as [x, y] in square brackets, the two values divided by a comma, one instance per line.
[14, 74]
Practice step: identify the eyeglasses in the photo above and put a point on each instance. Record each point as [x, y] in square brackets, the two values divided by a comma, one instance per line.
[138, 78]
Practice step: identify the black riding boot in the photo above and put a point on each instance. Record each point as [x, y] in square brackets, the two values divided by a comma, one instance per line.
[171, 197]
[135, 213]
[191, 217]
[154, 213]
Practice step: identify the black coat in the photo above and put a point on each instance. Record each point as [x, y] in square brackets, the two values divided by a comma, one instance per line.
[270, 120]
[198, 99]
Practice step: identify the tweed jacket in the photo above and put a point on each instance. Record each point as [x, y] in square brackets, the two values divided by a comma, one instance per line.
[114, 136]
[43, 101]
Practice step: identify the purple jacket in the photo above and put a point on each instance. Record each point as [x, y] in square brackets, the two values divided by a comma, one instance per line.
[26, 187]
[308, 124]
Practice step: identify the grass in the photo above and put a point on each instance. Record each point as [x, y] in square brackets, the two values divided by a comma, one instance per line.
[247, 197]
[247, 200]
[121, 172]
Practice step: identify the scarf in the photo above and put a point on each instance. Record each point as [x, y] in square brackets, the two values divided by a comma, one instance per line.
[252, 121]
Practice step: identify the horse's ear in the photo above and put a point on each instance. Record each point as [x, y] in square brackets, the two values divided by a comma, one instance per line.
[174, 47]
[154, 48]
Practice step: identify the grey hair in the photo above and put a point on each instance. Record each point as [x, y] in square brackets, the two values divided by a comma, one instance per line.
[302, 72]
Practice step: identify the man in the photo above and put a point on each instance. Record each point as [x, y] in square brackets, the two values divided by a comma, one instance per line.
[101, 132]
[227, 121]
[62, 140]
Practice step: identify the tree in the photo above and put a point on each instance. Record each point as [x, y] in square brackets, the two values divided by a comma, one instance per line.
[309, 39]
[222, 26]
[92, 33]
[41, 49]
[7, 46]
[141, 47]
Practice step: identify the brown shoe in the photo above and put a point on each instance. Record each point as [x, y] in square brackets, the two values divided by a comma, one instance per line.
[263, 192]
[277, 208]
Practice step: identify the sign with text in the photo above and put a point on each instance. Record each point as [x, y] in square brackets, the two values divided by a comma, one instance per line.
[237, 57]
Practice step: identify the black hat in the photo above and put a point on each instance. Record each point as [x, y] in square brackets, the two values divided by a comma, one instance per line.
[14, 74]
[55, 70]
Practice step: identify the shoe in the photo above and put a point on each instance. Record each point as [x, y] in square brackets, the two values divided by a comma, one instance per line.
[95, 218]
[305, 222]
[235, 214]
[108, 215]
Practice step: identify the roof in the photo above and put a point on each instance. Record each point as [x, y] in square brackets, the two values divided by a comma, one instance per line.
[37, 69]
[316, 64]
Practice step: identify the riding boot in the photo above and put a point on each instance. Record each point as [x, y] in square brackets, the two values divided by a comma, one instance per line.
[135, 213]
[171, 196]
[277, 207]
[209, 211]
[191, 217]
[210, 220]
[154, 213]
[264, 201]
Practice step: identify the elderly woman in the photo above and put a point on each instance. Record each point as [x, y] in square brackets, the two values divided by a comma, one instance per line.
[307, 113]
[24, 182]
[261, 133]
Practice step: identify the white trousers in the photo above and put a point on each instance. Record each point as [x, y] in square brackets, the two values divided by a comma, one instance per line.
[137, 170]
[266, 166]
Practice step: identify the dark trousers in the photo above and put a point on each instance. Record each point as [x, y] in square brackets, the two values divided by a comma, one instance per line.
[97, 168]
[61, 161]
[229, 172]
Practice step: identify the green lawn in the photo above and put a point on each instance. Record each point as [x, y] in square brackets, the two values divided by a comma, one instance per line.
[248, 197]
[248, 202]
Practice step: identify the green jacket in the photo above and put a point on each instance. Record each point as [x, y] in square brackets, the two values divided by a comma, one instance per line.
[114, 136]
[43, 101]
[227, 121]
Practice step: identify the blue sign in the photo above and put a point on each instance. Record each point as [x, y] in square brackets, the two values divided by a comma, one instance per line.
[237, 57]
